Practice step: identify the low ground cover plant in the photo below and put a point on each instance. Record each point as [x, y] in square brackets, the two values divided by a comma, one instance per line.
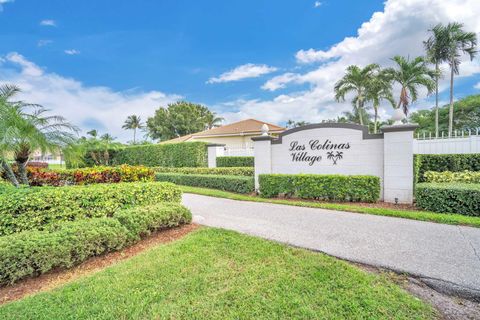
[445, 162]
[449, 176]
[33, 252]
[461, 198]
[238, 184]
[37, 207]
[355, 188]
[237, 161]
[229, 171]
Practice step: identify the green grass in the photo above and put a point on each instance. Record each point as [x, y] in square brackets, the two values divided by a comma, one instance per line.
[446, 218]
[57, 166]
[216, 274]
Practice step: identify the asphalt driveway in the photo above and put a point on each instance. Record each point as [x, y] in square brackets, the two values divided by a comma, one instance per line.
[443, 256]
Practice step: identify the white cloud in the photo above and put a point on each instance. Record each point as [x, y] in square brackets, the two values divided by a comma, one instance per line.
[43, 42]
[72, 52]
[477, 86]
[48, 23]
[2, 2]
[398, 30]
[317, 4]
[245, 71]
[85, 106]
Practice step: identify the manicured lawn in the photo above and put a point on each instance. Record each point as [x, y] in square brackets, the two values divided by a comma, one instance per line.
[56, 166]
[455, 219]
[216, 274]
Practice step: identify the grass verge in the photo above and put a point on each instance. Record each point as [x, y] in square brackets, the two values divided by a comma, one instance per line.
[454, 219]
[217, 274]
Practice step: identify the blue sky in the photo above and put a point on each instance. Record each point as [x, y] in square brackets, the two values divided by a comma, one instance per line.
[98, 61]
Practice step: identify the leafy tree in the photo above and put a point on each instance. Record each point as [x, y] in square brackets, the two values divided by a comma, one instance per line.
[410, 75]
[93, 133]
[179, 119]
[32, 130]
[355, 81]
[294, 124]
[133, 122]
[467, 111]
[436, 48]
[378, 88]
[457, 42]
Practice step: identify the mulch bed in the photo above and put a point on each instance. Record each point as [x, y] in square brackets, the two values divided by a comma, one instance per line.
[56, 278]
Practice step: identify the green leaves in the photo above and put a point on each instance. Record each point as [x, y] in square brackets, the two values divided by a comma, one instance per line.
[448, 176]
[445, 162]
[237, 184]
[449, 198]
[228, 171]
[235, 161]
[321, 186]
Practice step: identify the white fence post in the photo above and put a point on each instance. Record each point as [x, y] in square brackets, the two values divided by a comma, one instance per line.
[214, 151]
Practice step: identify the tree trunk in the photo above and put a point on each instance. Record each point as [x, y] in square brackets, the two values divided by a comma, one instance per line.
[9, 172]
[134, 135]
[22, 172]
[437, 69]
[450, 111]
[376, 116]
[359, 107]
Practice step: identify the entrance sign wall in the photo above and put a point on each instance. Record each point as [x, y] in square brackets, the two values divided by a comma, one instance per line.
[333, 148]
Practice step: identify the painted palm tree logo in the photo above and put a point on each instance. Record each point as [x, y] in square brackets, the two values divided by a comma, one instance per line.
[335, 157]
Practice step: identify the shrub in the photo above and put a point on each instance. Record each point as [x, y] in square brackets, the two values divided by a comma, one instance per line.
[227, 183]
[38, 207]
[37, 164]
[142, 220]
[123, 173]
[231, 171]
[448, 176]
[34, 252]
[322, 187]
[445, 162]
[185, 154]
[235, 161]
[458, 198]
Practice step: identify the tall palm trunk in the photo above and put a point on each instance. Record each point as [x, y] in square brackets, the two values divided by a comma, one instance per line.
[9, 172]
[450, 111]
[359, 109]
[134, 135]
[437, 69]
[375, 108]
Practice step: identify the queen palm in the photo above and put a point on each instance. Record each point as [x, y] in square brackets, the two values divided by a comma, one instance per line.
[355, 81]
[133, 122]
[436, 49]
[379, 89]
[213, 121]
[411, 75]
[457, 42]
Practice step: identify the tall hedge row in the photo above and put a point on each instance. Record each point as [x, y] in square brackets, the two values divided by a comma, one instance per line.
[228, 171]
[232, 161]
[321, 186]
[445, 162]
[185, 154]
[40, 207]
[239, 184]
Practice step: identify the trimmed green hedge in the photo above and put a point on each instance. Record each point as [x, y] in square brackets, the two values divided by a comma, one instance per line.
[231, 171]
[323, 187]
[445, 162]
[448, 176]
[37, 207]
[237, 184]
[185, 154]
[31, 253]
[461, 198]
[235, 161]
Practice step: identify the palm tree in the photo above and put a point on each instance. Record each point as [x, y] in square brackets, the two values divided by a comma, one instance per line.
[133, 122]
[379, 88]
[93, 133]
[212, 121]
[436, 49]
[410, 75]
[33, 130]
[457, 42]
[355, 80]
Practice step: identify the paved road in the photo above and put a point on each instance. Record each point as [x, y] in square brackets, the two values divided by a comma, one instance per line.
[445, 257]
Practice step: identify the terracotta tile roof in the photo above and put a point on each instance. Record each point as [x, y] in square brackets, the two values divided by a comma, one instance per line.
[248, 126]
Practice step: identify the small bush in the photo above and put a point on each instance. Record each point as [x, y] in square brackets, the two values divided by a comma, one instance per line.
[123, 173]
[231, 171]
[445, 162]
[37, 207]
[322, 187]
[37, 164]
[235, 161]
[449, 198]
[448, 176]
[227, 183]
[34, 252]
